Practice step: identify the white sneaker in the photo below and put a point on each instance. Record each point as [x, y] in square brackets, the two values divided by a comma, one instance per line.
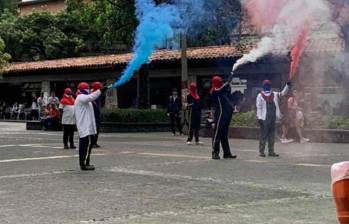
[189, 143]
[199, 143]
[304, 140]
[286, 141]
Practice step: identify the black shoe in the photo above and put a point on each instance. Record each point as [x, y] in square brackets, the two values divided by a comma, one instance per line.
[215, 156]
[87, 167]
[261, 155]
[66, 147]
[73, 147]
[96, 146]
[230, 157]
[273, 155]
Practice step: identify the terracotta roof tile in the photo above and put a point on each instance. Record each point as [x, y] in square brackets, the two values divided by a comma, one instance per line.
[122, 59]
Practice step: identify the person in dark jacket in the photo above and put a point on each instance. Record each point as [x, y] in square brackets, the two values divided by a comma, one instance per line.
[223, 105]
[173, 109]
[97, 105]
[194, 106]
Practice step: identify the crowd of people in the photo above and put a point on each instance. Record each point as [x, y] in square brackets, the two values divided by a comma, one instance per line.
[271, 107]
[82, 110]
[79, 111]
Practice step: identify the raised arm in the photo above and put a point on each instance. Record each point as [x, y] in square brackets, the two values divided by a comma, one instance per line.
[90, 97]
[286, 89]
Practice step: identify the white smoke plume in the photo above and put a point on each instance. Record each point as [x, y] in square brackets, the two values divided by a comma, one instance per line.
[286, 24]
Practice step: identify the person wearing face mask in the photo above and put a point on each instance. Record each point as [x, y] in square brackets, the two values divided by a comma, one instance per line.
[173, 109]
[223, 104]
[68, 118]
[194, 106]
[268, 111]
[86, 123]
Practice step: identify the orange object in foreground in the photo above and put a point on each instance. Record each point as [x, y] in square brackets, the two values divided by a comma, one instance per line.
[340, 189]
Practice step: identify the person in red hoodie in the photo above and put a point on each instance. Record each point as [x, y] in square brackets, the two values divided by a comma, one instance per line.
[194, 106]
[68, 118]
[53, 118]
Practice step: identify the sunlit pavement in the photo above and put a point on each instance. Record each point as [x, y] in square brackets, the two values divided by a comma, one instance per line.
[157, 178]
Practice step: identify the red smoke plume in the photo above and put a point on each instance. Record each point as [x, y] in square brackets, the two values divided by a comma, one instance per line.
[298, 50]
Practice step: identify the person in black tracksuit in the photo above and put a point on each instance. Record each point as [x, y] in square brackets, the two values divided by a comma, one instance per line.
[173, 109]
[223, 104]
[97, 105]
[194, 106]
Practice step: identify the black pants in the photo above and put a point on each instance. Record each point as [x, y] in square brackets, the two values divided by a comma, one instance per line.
[85, 148]
[220, 136]
[175, 117]
[35, 114]
[193, 132]
[96, 136]
[267, 129]
[68, 134]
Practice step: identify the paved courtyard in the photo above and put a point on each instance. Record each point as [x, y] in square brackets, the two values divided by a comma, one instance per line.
[156, 178]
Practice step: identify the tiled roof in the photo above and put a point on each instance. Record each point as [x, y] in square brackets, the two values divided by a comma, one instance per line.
[35, 2]
[122, 59]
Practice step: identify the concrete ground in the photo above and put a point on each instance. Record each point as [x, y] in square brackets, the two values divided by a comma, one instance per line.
[156, 178]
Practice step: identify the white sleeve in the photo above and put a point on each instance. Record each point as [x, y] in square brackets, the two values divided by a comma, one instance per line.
[61, 106]
[259, 106]
[90, 97]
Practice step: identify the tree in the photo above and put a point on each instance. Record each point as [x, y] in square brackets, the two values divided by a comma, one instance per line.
[8, 4]
[4, 57]
[220, 18]
[100, 27]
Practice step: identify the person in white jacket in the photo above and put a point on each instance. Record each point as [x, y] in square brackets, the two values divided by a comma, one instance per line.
[268, 111]
[85, 123]
[68, 118]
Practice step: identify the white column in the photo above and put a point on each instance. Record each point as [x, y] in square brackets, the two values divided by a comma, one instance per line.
[111, 99]
[46, 89]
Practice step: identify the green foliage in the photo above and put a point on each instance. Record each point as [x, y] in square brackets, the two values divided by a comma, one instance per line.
[8, 5]
[4, 57]
[81, 29]
[245, 120]
[222, 17]
[327, 122]
[314, 121]
[99, 27]
[134, 115]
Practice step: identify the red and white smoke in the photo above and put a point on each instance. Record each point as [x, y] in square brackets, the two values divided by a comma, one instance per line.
[286, 26]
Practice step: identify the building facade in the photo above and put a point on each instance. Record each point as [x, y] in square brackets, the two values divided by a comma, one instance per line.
[150, 86]
[27, 7]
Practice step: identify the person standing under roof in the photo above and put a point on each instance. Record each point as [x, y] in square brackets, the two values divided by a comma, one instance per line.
[173, 109]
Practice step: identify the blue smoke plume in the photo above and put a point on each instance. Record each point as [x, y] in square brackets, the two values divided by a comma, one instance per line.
[155, 27]
[159, 24]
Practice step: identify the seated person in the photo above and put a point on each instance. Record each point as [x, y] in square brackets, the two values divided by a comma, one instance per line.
[52, 119]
